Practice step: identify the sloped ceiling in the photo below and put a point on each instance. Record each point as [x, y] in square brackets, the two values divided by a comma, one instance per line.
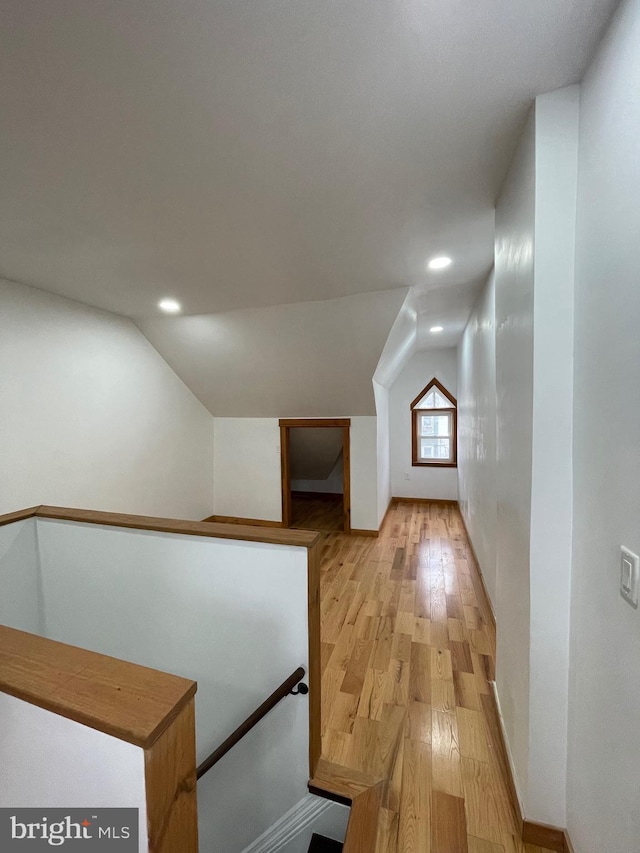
[284, 168]
[313, 453]
[244, 153]
[424, 307]
[311, 359]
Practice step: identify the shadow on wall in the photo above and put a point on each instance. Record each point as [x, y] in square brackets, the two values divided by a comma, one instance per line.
[315, 458]
[21, 601]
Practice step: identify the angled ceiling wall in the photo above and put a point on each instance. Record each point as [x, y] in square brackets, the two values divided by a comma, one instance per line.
[309, 359]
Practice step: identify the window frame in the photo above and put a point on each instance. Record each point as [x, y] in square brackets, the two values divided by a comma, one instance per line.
[452, 461]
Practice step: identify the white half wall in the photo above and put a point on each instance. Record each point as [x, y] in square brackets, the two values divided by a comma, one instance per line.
[230, 615]
[91, 415]
[20, 583]
[604, 736]
[477, 433]
[54, 762]
[419, 370]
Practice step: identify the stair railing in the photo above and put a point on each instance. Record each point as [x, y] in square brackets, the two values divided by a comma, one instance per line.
[290, 687]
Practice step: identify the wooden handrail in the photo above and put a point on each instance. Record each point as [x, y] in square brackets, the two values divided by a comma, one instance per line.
[284, 690]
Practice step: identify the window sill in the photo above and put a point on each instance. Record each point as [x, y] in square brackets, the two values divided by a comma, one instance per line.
[434, 464]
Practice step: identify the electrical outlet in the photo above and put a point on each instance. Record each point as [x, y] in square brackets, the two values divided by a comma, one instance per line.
[406, 475]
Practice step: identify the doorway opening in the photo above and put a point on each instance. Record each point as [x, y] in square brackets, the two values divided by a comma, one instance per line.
[316, 489]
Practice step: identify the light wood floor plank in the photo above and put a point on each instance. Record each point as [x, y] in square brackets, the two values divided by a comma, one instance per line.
[445, 747]
[408, 652]
[479, 845]
[473, 735]
[448, 824]
[414, 835]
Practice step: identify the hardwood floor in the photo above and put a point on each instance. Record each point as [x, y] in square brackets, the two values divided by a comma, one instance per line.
[408, 649]
[325, 513]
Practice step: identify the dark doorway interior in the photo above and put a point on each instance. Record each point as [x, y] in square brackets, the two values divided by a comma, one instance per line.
[313, 512]
[317, 481]
[315, 474]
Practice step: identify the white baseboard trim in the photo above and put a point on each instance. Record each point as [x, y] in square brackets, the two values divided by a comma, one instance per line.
[514, 775]
[289, 825]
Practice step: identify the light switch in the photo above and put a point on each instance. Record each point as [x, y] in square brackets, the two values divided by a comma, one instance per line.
[629, 565]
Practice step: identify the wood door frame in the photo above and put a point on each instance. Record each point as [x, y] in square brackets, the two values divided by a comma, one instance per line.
[287, 424]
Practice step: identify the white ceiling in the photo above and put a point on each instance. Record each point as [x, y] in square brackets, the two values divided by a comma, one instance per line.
[246, 153]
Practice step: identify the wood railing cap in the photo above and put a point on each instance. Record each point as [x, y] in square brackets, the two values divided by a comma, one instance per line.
[19, 515]
[214, 530]
[129, 702]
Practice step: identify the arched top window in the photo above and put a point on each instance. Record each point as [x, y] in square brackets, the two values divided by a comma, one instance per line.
[434, 427]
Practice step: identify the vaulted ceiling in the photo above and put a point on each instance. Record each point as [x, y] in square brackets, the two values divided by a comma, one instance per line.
[238, 154]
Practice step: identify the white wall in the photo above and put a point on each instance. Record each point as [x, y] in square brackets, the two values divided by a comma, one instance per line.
[20, 583]
[54, 762]
[230, 615]
[258, 780]
[529, 539]
[418, 371]
[91, 416]
[477, 433]
[364, 473]
[247, 474]
[604, 736]
[556, 118]
[514, 258]
[383, 448]
[399, 347]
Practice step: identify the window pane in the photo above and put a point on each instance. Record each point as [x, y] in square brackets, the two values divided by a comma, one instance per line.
[435, 448]
[434, 400]
[435, 425]
[441, 401]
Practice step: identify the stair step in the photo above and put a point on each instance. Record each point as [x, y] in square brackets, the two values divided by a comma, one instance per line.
[320, 844]
[340, 781]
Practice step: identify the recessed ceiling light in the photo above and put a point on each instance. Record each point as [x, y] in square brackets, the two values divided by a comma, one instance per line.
[169, 306]
[436, 329]
[439, 263]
